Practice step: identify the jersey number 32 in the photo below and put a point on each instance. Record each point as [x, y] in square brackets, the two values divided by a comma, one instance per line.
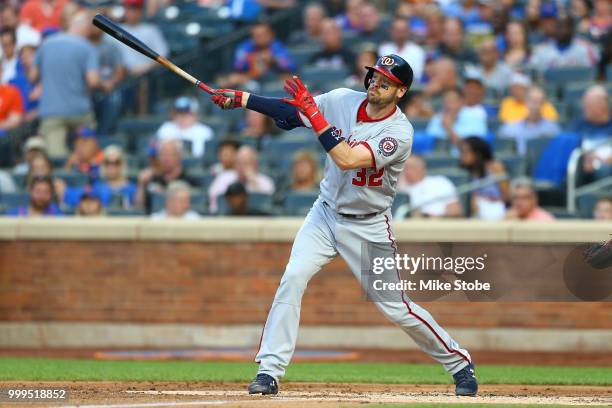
[361, 178]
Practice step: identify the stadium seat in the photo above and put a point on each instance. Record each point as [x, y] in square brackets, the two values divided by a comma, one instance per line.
[301, 55]
[504, 145]
[563, 75]
[419, 124]
[456, 175]
[316, 77]
[535, 147]
[552, 163]
[121, 212]
[104, 142]
[258, 201]
[13, 200]
[400, 199]
[440, 161]
[192, 163]
[515, 166]
[299, 203]
[72, 178]
[586, 204]
[422, 143]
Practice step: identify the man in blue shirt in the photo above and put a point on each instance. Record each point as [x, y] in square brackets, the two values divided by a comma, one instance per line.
[67, 65]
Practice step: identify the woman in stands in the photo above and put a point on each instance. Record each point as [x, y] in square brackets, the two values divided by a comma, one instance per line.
[517, 47]
[489, 200]
[114, 188]
[305, 172]
[41, 166]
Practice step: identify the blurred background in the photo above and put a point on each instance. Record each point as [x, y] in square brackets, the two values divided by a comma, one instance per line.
[510, 105]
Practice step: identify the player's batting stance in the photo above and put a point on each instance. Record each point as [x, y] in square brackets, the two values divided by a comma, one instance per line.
[367, 143]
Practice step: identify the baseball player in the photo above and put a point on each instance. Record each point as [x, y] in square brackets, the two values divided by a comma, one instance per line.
[367, 139]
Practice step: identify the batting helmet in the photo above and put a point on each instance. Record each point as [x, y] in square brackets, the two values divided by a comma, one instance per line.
[393, 67]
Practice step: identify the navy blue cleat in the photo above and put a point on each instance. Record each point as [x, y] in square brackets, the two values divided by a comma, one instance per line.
[465, 381]
[263, 384]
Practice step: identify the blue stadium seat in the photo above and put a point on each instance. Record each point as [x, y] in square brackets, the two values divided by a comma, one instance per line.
[299, 203]
[422, 143]
[301, 55]
[72, 178]
[436, 162]
[563, 75]
[13, 200]
[400, 199]
[551, 166]
[504, 145]
[121, 212]
[104, 142]
[515, 166]
[315, 76]
[419, 124]
[586, 204]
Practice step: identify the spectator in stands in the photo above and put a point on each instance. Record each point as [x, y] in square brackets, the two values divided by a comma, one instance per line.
[245, 172]
[156, 179]
[474, 91]
[454, 46]
[30, 90]
[305, 172]
[237, 199]
[87, 156]
[371, 30]
[435, 28]
[312, 17]
[496, 74]
[491, 189]
[41, 166]
[226, 157]
[456, 120]
[533, 126]
[256, 126]
[513, 108]
[350, 20]
[90, 205]
[415, 106]
[136, 63]
[442, 76]
[7, 184]
[107, 101]
[186, 127]
[113, 187]
[595, 130]
[33, 146]
[43, 14]
[564, 50]
[581, 13]
[11, 106]
[402, 45]
[41, 200]
[260, 58]
[8, 43]
[333, 55]
[433, 196]
[601, 20]
[178, 203]
[366, 58]
[517, 48]
[65, 102]
[525, 203]
[603, 209]
[9, 19]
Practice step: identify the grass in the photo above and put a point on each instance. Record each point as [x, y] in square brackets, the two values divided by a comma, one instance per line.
[47, 369]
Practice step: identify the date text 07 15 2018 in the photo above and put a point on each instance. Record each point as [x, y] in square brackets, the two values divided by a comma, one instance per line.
[17, 394]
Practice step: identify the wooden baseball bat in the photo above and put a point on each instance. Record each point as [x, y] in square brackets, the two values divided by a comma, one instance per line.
[112, 29]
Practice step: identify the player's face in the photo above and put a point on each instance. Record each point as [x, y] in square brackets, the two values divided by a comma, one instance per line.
[382, 91]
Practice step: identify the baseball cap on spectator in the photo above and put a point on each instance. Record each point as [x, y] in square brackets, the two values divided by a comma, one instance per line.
[186, 104]
[133, 3]
[548, 9]
[29, 38]
[474, 75]
[88, 193]
[86, 133]
[520, 79]
[235, 189]
[35, 143]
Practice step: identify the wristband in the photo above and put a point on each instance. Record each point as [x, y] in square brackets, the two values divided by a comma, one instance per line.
[328, 140]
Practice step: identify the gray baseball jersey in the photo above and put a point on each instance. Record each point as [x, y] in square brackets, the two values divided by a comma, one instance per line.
[327, 233]
[367, 190]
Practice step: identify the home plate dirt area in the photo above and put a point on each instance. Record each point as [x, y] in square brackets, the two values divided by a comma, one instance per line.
[295, 395]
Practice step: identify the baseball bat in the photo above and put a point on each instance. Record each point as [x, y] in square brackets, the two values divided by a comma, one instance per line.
[112, 29]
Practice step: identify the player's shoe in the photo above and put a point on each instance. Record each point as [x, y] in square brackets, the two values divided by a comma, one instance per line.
[263, 384]
[465, 381]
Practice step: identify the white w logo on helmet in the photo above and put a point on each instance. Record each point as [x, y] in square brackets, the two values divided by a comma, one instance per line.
[387, 61]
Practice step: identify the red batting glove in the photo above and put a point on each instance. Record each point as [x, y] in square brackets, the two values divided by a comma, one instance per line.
[305, 103]
[227, 98]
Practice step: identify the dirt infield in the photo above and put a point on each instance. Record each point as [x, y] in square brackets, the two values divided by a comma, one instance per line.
[298, 395]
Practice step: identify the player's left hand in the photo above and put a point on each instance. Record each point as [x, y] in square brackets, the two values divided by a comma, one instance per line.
[305, 103]
[227, 98]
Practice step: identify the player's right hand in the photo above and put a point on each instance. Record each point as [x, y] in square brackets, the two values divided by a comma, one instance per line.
[227, 98]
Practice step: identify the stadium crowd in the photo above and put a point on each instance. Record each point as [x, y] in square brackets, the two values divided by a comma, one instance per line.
[505, 94]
